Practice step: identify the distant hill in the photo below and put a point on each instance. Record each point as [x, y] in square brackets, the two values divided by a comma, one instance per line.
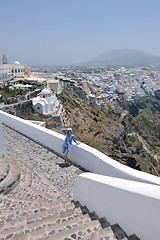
[125, 57]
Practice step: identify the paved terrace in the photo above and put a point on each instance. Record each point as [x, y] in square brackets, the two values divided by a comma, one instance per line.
[40, 206]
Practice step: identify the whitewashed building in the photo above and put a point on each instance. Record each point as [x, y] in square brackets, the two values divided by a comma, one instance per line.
[9, 71]
[46, 102]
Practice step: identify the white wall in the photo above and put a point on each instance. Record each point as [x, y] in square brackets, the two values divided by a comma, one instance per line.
[133, 205]
[97, 162]
[2, 145]
[39, 108]
[83, 155]
[39, 134]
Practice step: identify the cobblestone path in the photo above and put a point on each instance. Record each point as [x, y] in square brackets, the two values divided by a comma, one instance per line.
[40, 159]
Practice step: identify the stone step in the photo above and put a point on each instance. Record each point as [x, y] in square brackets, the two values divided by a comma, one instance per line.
[45, 185]
[31, 223]
[29, 193]
[119, 233]
[4, 169]
[36, 194]
[13, 203]
[102, 234]
[14, 198]
[51, 195]
[92, 215]
[22, 207]
[133, 237]
[12, 178]
[49, 226]
[62, 226]
[26, 174]
[104, 223]
[79, 231]
[38, 183]
[32, 215]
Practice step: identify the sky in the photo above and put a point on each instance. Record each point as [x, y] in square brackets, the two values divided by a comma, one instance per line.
[48, 32]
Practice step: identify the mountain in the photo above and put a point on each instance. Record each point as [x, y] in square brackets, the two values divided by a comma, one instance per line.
[125, 57]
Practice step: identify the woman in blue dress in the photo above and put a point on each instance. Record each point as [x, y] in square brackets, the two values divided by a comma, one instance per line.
[67, 145]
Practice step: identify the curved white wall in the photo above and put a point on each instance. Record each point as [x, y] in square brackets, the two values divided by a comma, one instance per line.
[97, 162]
[133, 205]
[83, 155]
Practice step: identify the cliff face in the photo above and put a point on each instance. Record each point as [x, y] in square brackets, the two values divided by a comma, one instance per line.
[99, 127]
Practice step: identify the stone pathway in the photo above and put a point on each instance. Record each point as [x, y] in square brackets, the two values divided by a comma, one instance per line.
[40, 205]
[41, 159]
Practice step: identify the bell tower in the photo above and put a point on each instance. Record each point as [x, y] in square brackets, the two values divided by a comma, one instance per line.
[4, 60]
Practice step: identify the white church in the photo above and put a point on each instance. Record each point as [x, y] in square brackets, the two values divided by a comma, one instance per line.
[46, 102]
[10, 71]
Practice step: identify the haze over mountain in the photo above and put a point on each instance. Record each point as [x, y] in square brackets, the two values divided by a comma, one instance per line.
[125, 57]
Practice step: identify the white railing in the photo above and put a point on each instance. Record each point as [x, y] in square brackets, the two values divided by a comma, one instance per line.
[93, 192]
[83, 155]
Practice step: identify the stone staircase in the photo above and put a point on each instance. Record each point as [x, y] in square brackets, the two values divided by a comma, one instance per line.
[9, 174]
[32, 207]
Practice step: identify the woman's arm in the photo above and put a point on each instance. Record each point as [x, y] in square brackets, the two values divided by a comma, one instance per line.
[73, 137]
[64, 131]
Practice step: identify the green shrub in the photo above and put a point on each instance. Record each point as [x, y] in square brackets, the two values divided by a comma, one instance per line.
[10, 112]
[138, 148]
[35, 117]
[127, 142]
[95, 119]
[94, 113]
[153, 161]
[132, 138]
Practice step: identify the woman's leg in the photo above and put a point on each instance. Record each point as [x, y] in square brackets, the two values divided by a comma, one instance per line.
[66, 161]
[65, 152]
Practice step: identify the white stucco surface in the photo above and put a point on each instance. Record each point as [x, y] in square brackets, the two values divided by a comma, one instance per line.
[2, 145]
[46, 102]
[133, 205]
[39, 134]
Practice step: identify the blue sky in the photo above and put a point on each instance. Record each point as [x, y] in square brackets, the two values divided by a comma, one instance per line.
[72, 31]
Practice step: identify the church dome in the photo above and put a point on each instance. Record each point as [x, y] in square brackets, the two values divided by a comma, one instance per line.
[46, 91]
[16, 63]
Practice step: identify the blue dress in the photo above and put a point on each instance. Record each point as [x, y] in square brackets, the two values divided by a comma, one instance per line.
[67, 144]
